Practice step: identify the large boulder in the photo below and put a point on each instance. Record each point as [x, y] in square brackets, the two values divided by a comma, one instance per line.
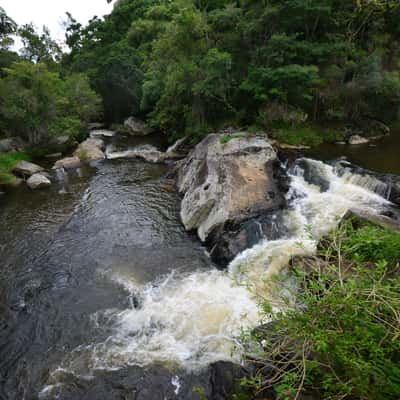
[90, 150]
[225, 184]
[38, 181]
[136, 127]
[26, 169]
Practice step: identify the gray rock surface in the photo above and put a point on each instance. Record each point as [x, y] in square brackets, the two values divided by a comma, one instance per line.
[137, 127]
[10, 144]
[90, 150]
[25, 168]
[38, 181]
[229, 182]
[68, 163]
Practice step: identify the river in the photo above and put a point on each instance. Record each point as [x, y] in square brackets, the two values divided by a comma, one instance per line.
[104, 295]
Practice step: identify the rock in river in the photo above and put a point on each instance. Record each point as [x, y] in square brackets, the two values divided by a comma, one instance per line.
[226, 184]
[90, 150]
[68, 163]
[137, 127]
[38, 181]
[26, 168]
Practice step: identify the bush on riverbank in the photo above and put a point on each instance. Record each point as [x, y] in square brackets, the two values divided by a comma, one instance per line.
[342, 340]
[35, 103]
[7, 163]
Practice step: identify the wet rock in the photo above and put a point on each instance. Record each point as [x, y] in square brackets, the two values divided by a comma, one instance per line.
[90, 150]
[26, 169]
[220, 381]
[38, 181]
[228, 240]
[229, 182]
[356, 139]
[385, 185]
[11, 144]
[99, 133]
[313, 172]
[136, 127]
[68, 163]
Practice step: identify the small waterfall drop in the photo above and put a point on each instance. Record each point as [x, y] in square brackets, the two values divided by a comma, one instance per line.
[62, 179]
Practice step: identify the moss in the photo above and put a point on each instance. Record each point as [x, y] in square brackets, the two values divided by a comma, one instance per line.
[7, 163]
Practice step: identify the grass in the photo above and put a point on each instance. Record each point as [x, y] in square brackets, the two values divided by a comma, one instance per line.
[7, 162]
[307, 135]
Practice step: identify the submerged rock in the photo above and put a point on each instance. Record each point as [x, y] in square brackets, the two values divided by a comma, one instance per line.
[226, 184]
[38, 181]
[26, 168]
[136, 127]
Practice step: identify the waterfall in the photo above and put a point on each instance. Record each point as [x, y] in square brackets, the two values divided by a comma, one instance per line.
[192, 320]
[62, 178]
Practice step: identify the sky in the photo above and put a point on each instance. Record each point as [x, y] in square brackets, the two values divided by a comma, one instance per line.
[52, 12]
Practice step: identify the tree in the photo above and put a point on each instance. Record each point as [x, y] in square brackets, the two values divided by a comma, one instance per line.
[39, 47]
[7, 28]
[36, 103]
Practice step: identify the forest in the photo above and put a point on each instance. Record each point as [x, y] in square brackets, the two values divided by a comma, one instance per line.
[191, 67]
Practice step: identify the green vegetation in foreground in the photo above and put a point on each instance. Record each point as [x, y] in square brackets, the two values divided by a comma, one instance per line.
[342, 339]
[7, 163]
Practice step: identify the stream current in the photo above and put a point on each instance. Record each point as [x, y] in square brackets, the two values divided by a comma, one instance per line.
[99, 281]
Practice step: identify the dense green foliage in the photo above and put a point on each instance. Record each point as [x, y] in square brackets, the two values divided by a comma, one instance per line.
[36, 103]
[37, 99]
[193, 65]
[7, 163]
[341, 340]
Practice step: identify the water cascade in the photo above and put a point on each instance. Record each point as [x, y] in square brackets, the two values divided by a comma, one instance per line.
[191, 320]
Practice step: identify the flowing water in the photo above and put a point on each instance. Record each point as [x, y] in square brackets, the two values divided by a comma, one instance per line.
[99, 281]
[381, 156]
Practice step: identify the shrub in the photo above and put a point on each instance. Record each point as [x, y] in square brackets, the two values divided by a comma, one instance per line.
[341, 340]
[7, 163]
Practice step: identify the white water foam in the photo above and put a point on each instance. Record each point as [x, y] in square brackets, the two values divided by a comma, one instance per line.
[196, 319]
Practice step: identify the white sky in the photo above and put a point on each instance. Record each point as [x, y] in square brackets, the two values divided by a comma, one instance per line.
[52, 12]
